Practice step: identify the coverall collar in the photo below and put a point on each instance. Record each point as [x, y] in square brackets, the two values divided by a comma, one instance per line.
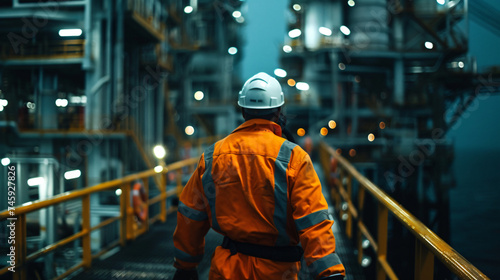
[261, 124]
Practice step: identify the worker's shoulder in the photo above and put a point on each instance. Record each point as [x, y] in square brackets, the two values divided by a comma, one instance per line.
[266, 146]
[298, 154]
[295, 148]
[293, 153]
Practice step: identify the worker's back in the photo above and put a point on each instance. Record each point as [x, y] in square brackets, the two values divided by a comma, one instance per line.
[244, 171]
[261, 192]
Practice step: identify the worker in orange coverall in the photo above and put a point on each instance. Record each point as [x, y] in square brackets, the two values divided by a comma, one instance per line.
[261, 192]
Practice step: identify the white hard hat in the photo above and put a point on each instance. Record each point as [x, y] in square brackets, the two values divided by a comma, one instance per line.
[261, 92]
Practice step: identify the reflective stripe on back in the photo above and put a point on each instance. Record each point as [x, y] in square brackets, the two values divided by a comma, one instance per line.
[281, 192]
[209, 186]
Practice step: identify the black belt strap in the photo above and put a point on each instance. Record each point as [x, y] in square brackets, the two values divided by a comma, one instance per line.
[274, 253]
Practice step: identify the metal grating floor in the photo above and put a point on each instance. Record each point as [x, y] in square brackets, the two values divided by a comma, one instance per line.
[150, 256]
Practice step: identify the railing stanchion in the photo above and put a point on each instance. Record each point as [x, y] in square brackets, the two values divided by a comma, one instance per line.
[163, 203]
[145, 181]
[340, 185]
[21, 251]
[124, 201]
[349, 213]
[382, 240]
[179, 182]
[424, 262]
[361, 201]
[130, 215]
[87, 254]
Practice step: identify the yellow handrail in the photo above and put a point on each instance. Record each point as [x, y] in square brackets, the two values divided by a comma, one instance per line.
[428, 244]
[128, 228]
[45, 50]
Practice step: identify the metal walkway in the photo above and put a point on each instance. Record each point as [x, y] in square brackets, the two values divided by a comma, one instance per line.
[150, 256]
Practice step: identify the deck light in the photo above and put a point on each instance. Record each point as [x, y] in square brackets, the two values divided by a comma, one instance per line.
[70, 32]
[73, 174]
[345, 30]
[325, 31]
[159, 151]
[36, 181]
[371, 137]
[236, 14]
[158, 168]
[294, 33]
[352, 152]
[5, 161]
[280, 72]
[302, 86]
[199, 95]
[301, 132]
[189, 130]
[232, 50]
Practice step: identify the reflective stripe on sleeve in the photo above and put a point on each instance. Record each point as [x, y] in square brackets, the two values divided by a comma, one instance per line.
[183, 256]
[191, 213]
[280, 192]
[209, 186]
[311, 219]
[324, 263]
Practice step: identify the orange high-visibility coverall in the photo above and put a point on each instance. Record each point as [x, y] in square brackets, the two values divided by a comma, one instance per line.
[255, 187]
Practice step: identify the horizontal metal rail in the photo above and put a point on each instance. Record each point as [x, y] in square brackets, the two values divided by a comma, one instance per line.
[45, 50]
[428, 244]
[129, 229]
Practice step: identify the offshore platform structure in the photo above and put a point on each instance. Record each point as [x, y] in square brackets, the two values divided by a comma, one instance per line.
[207, 43]
[88, 88]
[383, 81]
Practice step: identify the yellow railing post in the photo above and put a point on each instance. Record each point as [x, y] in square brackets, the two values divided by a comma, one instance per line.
[130, 216]
[21, 251]
[349, 213]
[179, 182]
[382, 240]
[124, 201]
[361, 201]
[424, 262]
[87, 253]
[340, 185]
[163, 203]
[145, 182]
